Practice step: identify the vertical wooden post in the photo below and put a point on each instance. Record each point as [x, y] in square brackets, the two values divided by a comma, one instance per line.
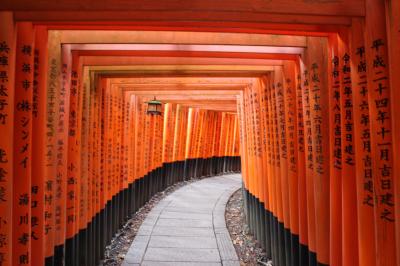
[376, 48]
[319, 101]
[243, 139]
[306, 95]
[336, 156]
[52, 92]
[176, 133]
[40, 195]
[292, 145]
[362, 141]
[103, 170]
[393, 35]
[349, 190]
[182, 145]
[133, 103]
[279, 225]
[7, 85]
[189, 133]
[138, 139]
[271, 159]
[302, 183]
[82, 231]
[23, 144]
[283, 164]
[63, 91]
[73, 166]
[263, 90]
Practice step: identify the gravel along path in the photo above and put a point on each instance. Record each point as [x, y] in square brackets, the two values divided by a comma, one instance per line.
[247, 247]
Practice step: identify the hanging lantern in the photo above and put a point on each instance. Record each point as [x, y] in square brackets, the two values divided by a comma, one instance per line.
[154, 107]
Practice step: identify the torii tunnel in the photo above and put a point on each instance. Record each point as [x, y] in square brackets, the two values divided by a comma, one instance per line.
[301, 97]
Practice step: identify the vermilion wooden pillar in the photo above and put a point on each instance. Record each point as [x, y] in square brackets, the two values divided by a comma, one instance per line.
[102, 168]
[319, 100]
[83, 200]
[393, 30]
[250, 147]
[243, 140]
[23, 144]
[139, 139]
[264, 123]
[132, 136]
[53, 82]
[309, 159]
[382, 149]
[59, 125]
[362, 141]
[271, 160]
[336, 155]
[254, 189]
[182, 147]
[283, 182]
[7, 85]
[301, 170]
[165, 141]
[280, 221]
[349, 190]
[292, 148]
[159, 147]
[125, 140]
[188, 134]
[257, 153]
[74, 163]
[176, 134]
[236, 144]
[40, 195]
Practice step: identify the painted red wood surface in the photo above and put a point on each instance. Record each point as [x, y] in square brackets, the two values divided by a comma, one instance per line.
[317, 132]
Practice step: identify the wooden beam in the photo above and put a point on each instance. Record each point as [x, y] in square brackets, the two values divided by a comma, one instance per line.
[156, 60]
[185, 92]
[181, 68]
[174, 53]
[177, 87]
[178, 37]
[194, 8]
[183, 80]
[190, 98]
[255, 49]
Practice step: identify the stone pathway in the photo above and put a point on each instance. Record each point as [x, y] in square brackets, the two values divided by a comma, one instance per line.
[188, 227]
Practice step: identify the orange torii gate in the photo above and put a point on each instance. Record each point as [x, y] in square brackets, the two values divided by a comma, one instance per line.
[318, 133]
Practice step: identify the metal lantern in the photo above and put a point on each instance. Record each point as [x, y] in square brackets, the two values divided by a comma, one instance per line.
[154, 107]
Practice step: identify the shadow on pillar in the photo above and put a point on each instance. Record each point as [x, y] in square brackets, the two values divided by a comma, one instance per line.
[279, 243]
[87, 247]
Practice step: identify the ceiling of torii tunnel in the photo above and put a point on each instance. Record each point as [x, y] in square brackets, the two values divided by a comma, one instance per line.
[299, 97]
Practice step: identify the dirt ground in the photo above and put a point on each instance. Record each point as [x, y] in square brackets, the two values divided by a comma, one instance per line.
[247, 247]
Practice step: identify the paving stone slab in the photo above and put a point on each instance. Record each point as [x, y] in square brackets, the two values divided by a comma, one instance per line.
[138, 248]
[182, 254]
[184, 223]
[181, 231]
[188, 210]
[219, 221]
[193, 204]
[125, 263]
[230, 263]
[176, 263]
[225, 246]
[185, 215]
[183, 242]
[145, 230]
